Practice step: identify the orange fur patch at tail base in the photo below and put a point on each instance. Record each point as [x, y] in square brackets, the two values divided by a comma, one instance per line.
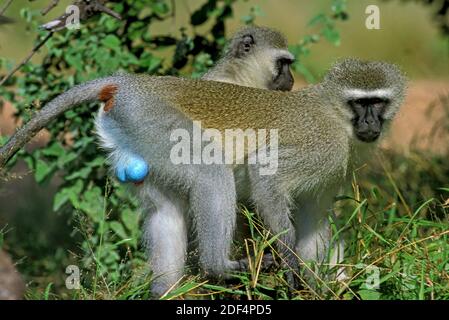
[107, 95]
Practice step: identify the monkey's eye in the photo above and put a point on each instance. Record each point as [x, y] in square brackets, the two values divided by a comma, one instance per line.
[369, 101]
[373, 100]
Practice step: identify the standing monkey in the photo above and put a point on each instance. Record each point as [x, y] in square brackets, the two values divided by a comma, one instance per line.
[324, 130]
[255, 57]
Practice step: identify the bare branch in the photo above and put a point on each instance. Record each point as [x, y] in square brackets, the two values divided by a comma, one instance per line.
[87, 10]
[2, 10]
[30, 55]
[53, 4]
[173, 9]
[5, 20]
[104, 9]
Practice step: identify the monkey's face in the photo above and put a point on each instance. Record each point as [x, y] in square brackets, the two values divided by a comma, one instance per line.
[262, 56]
[368, 117]
[368, 93]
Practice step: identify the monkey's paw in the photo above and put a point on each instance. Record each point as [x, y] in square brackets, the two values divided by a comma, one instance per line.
[132, 169]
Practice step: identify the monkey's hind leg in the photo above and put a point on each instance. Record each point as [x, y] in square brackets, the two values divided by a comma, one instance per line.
[213, 205]
[165, 237]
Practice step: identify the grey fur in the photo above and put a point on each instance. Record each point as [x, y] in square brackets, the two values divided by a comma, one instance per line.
[317, 152]
[257, 67]
[297, 200]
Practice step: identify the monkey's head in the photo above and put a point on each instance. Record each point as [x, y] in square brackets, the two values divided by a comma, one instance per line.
[257, 57]
[368, 94]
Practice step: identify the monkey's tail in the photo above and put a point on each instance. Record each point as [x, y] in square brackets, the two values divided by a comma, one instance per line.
[85, 92]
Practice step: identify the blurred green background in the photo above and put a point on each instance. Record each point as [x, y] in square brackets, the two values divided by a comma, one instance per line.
[408, 34]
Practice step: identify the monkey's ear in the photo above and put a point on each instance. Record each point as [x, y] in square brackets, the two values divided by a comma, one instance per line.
[244, 46]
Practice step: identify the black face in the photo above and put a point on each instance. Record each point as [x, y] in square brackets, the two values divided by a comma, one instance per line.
[368, 117]
[283, 79]
[244, 46]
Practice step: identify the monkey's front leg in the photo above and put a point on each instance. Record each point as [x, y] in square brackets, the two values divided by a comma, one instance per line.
[213, 205]
[314, 236]
[274, 209]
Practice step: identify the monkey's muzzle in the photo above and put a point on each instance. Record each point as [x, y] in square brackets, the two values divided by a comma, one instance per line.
[368, 135]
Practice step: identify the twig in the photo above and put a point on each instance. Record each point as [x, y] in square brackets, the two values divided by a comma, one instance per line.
[173, 8]
[101, 8]
[30, 55]
[2, 10]
[53, 4]
[5, 20]
[87, 9]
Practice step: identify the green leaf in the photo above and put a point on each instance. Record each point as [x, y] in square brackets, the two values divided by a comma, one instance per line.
[111, 42]
[55, 150]
[47, 291]
[60, 199]
[29, 160]
[318, 19]
[369, 294]
[300, 68]
[83, 142]
[127, 240]
[83, 173]
[332, 35]
[160, 8]
[69, 193]
[97, 162]
[75, 61]
[92, 204]
[118, 228]
[43, 169]
[66, 158]
[130, 219]
[3, 139]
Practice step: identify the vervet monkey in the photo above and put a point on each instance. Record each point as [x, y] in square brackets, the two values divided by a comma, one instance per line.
[324, 130]
[254, 57]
